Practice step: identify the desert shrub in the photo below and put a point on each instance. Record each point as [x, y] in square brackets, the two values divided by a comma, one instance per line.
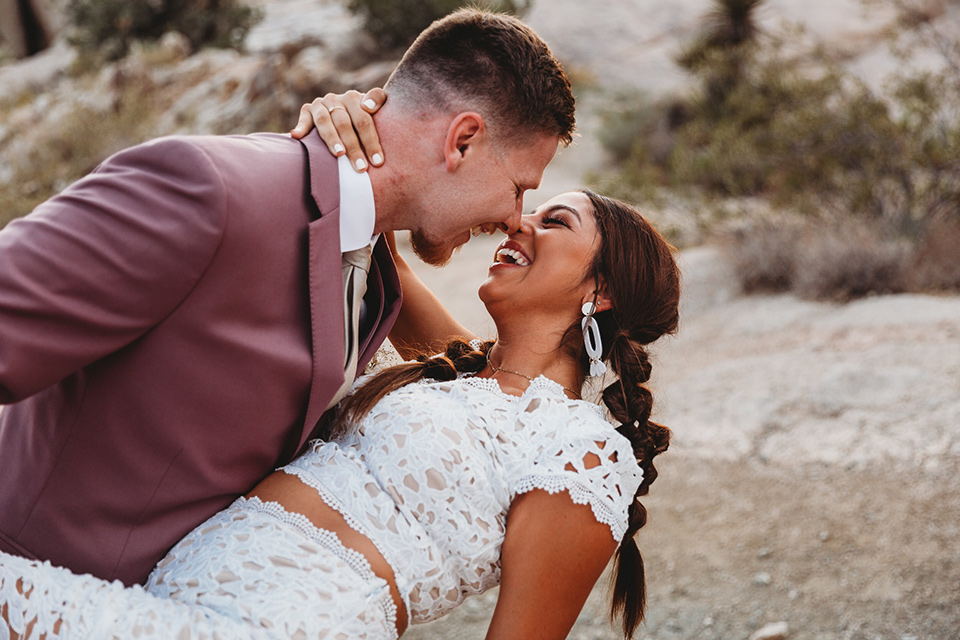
[396, 23]
[631, 120]
[936, 263]
[838, 260]
[111, 26]
[782, 131]
[764, 256]
[850, 261]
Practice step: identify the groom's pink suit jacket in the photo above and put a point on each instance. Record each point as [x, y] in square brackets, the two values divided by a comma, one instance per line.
[171, 329]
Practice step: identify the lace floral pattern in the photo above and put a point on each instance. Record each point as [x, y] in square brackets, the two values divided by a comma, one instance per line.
[56, 603]
[429, 476]
[258, 563]
[430, 473]
[253, 571]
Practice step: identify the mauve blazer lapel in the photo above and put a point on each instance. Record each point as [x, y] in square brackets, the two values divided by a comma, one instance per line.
[326, 283]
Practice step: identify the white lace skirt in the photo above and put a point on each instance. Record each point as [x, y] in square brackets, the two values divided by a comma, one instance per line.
[251, 571]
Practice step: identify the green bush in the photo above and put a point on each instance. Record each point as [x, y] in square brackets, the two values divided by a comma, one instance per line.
[803, 134]
[111, 26]
[396, 23]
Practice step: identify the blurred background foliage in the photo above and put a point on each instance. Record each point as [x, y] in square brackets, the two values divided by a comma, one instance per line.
[394, 24]
[110, 27]
[872, 179]
[74, 147]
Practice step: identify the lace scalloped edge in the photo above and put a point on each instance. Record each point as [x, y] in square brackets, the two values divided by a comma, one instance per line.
[334, 503]
[580, 494]
[331, 500]
[540, 384]
[327, 539]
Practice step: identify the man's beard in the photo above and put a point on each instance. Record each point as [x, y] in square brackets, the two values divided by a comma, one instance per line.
[431, 252]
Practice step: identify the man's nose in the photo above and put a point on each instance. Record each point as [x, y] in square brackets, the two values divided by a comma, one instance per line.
[525, 226]
[512, 224]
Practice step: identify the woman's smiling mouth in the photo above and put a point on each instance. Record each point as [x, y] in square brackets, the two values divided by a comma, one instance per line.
[512, 253]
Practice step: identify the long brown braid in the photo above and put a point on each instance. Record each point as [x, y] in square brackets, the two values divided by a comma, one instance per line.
[642, 280]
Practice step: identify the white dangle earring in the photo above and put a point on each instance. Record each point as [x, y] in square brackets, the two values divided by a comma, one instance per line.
[591, 339]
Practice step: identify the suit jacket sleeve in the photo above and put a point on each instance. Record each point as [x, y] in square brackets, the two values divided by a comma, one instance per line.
[94, 268]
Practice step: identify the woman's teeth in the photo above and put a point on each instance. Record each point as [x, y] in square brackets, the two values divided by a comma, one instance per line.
[487, 228]
[511, 256]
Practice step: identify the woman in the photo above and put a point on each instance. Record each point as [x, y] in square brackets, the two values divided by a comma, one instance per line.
[405, 511]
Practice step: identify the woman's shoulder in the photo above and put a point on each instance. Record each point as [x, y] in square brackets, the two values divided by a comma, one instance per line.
[545, 419]
[546, 403]
[573, 448]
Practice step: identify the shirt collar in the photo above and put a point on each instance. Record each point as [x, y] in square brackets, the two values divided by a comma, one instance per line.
[358, 213]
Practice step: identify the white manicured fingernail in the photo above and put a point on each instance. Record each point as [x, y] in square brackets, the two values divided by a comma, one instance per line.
[361, 164]
[377, 159]
[338, 148]
[369, 104]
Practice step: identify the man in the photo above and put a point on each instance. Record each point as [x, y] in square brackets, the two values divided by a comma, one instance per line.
[173, 326]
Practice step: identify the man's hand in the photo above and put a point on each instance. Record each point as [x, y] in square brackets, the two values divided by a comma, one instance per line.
[345, 124]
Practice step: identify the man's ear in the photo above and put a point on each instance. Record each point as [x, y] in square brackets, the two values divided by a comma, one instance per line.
[466, 130]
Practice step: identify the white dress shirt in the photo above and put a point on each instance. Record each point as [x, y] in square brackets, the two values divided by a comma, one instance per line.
[358, 213]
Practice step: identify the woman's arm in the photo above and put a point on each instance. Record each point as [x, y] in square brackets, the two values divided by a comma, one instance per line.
[424, 325]
[553, 553]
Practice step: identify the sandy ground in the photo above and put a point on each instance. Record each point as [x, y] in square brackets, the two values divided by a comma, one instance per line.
[813, 475]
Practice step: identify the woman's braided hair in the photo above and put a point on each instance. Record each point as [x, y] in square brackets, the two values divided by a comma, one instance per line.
[642, 280]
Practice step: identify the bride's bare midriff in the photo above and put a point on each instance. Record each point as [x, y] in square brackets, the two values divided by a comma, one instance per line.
[297, 497]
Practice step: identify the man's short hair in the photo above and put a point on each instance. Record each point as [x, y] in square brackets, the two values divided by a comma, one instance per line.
[491, 63]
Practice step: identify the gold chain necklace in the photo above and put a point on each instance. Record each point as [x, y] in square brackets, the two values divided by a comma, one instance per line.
[523, 375]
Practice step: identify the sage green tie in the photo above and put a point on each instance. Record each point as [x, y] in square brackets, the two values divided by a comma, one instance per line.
[355, 265]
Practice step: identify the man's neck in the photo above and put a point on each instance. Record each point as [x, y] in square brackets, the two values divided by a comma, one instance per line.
[387, 184]
[408, 140]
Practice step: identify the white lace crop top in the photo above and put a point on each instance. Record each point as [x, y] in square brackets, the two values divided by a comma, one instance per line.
[430, 473]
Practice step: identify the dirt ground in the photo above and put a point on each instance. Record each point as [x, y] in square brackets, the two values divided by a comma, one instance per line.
[835, 553]
[813, 477]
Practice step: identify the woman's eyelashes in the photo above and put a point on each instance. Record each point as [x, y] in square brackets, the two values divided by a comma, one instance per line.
[554, 219]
